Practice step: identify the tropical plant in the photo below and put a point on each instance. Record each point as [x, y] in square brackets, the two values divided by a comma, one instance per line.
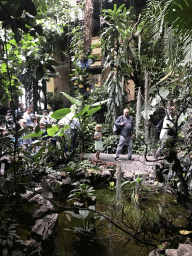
[81, 193]
[89, 136]
[115, 38]
[168, 20]
[110, 143]
[8, 234]
[112, 185]
[86, 164]
[90, 223]
[165, 22]
[85, 113]
[25, 56]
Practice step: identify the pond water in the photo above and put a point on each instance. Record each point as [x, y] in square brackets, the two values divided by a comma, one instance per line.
[109, 240]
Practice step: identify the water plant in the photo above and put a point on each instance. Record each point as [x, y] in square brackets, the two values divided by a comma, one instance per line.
[81, 193]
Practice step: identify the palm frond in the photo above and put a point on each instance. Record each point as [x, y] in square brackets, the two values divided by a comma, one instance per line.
[187, 51]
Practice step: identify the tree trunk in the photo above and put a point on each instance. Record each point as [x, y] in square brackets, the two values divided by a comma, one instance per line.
[44, 93]
[88, 25]
[177, 168]
[138, 115]
[147, 106]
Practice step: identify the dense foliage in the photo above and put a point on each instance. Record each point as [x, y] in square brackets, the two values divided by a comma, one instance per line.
[158, 42]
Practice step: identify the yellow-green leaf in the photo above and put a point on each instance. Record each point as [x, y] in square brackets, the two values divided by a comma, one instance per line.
[185, 232]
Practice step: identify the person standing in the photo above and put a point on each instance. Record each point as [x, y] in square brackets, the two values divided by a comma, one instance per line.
[53, 122]
[42, 123]
[35, 123]
[27, 122]
[19, 112]
[167, 130]
[98, 140]
[74, 128]
[127, 133]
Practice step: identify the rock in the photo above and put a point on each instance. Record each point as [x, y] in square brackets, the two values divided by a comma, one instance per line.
[106, 175]
[28, 248]
[48, 195]
[47, 207]
[92, 176]
[112, 171]
[27, 195]
[38, 199]
[85, 181]
[188, 254]
[44, 228]
[184, 248]
[139, 174]
[66, 185]
[190, 183]
[39, 189]
[153, 253]
[151, 175]
[171, 252]
[128, 176]
[80, 174]
[51, 177]
[57, 185]
[17, 253]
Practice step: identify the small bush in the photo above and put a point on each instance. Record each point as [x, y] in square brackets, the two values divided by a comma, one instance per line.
[85, 164]
[110, 143]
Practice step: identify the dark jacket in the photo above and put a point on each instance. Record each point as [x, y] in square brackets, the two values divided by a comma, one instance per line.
[128, 128]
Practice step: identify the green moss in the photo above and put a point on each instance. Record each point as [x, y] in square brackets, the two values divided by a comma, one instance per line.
[28, 207]
[23, 233]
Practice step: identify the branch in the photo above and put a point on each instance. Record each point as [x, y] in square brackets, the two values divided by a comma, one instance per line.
[136, 35]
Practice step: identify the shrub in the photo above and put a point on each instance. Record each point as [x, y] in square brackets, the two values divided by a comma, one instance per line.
[89, 137]
[110, 143]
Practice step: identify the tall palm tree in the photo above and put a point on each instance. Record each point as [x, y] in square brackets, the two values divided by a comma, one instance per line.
[171, 21]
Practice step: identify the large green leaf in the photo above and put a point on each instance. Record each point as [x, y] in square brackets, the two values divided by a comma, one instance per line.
[50, 68]
[53, 63]
[99, 103]
[84, 213]
[164, 92]
[13, 42]
[78, 216]
[60, 113]
[179, 15]
[29, 7]
[10, 242]
[83, 111]
[3, 67]
[73, 100]
[39, 30]
[5, 252]
[51, 131]
[40, 72]
[33, 135]
[92, 111]
[37, 129]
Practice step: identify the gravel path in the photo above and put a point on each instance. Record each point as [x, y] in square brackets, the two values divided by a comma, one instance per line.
[130, 169]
